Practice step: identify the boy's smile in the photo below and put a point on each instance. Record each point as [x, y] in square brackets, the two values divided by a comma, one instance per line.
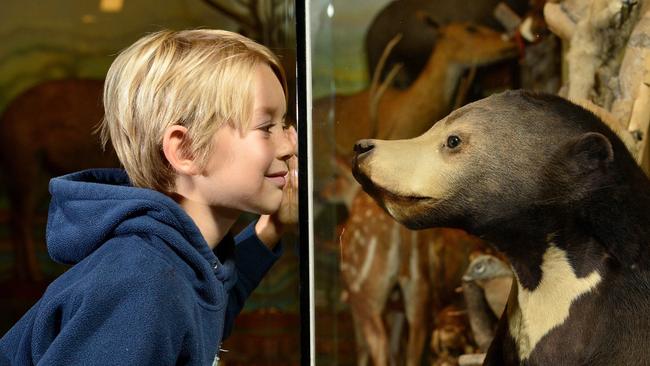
[278, 178]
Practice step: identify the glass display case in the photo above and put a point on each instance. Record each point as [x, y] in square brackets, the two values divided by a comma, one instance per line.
[353, 287]
[382, 294]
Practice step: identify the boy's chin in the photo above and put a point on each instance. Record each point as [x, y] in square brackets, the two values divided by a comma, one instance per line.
[269, 207]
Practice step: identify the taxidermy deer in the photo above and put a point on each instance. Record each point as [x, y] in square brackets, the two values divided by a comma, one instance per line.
[377, 254]
[403, 17]
[46, 131]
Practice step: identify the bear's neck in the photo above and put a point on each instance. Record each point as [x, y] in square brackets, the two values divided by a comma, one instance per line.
[528, 252]
[611, 228]
[619, 220]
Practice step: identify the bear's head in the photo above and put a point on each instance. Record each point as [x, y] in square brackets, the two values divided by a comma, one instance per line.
[492, 160]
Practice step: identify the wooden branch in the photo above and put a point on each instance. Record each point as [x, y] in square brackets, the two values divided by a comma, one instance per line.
[242, 16]
[254, 9]
[640, 118]
[558, 21]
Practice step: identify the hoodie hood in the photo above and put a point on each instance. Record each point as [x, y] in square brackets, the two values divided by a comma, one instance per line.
[91, 206]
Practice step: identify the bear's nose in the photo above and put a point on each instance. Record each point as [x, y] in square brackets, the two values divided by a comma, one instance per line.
[363, 146]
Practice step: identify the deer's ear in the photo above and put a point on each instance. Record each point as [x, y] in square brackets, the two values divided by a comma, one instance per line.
[428, 19]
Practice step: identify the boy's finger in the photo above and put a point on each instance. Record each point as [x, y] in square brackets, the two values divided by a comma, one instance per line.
[293, 137]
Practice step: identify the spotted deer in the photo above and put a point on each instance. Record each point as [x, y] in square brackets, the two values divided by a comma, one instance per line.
[377, 254]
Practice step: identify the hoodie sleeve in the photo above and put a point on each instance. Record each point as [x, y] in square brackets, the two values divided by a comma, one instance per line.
[253, 260]
[131, 320]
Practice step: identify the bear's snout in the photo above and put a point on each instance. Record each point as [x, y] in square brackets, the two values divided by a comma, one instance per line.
[362, 149]
[363, 146]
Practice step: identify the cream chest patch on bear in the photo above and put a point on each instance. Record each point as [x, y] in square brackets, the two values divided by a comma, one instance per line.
[537, 312]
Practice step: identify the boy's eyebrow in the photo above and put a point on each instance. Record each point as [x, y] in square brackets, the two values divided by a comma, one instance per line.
[269, 110]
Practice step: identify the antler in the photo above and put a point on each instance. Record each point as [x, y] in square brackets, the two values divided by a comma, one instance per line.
[375, 93]
[463, 87]
[375, 102]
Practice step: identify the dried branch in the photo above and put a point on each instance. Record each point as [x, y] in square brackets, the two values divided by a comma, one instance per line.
[239, 14]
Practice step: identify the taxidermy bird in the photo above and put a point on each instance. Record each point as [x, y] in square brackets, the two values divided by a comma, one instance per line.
[486, 285]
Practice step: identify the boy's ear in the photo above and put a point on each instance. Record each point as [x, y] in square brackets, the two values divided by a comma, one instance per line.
[175, 142]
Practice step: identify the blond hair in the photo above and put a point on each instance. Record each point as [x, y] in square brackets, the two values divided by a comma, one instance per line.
[199, 79]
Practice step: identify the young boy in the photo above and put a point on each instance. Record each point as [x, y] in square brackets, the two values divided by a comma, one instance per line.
[197, 120]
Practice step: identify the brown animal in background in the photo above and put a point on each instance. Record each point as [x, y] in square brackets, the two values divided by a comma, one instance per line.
[403, 17]
[342, 188]
[450, 338]
[377, 254]
[409, 112]
[46, 131]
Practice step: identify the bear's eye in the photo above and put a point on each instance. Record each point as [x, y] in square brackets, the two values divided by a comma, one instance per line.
[453, 141]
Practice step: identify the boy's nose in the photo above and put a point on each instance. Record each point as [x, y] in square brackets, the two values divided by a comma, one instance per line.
[288, 146]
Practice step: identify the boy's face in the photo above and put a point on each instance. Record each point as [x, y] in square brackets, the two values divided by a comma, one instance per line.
[248, 171]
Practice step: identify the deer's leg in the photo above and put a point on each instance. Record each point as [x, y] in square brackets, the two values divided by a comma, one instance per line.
[362, 346]
[373, 330]
[416, 304]
[376, 338]
[416, 288]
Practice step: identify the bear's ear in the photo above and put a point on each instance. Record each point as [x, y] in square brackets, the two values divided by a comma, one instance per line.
[590, 151]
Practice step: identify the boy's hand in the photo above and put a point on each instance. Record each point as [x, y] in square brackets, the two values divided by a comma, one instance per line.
[269, 228]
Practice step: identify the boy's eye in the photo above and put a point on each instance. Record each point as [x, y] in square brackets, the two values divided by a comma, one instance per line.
[267, 127]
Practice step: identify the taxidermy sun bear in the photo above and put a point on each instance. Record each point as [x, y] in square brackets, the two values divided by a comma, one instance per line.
[550, 186]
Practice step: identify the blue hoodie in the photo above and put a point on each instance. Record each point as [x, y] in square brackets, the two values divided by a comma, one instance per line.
[145, 288]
